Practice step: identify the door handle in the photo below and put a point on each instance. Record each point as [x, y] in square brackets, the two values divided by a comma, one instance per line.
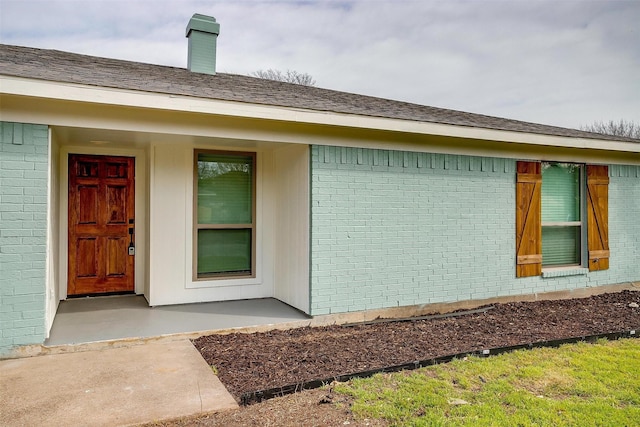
[131, 249]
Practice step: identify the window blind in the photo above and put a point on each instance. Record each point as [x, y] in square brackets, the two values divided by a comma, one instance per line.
[560, 192]
[224, 214]
[224, 189]
[560, 245]
[560, 206]
[224, 251]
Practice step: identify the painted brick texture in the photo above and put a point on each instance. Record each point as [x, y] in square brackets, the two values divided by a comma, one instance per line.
[393, 228]
[23, 210]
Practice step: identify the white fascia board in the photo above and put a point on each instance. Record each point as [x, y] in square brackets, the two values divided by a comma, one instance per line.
[153, 100]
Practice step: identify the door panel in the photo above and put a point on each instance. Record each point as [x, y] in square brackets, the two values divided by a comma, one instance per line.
[101, 212]
[87, 204]
[116, 204]
[116, 256]
[87, 250]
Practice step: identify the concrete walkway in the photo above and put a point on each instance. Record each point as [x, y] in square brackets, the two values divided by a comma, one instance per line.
[110, 387]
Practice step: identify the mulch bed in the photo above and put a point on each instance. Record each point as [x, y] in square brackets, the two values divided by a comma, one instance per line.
[258, 361]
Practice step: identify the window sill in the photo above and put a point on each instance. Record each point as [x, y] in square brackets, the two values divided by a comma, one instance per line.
[223, 282]
[565, 271]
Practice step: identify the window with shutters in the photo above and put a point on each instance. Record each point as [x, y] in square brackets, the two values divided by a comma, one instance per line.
[224, 215]
[561, 214]
[551, 222]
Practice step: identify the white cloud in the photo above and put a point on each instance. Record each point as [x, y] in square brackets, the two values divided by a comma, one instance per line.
[566, 63]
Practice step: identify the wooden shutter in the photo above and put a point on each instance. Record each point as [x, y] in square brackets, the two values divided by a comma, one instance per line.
[528, 219]
[598, 216]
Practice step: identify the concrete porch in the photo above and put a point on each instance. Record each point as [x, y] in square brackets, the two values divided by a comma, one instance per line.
[87, 320]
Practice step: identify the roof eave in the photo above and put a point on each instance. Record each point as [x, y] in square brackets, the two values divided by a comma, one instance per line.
[35, 88]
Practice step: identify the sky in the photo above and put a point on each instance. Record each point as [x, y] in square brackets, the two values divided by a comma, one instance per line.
[563, 62]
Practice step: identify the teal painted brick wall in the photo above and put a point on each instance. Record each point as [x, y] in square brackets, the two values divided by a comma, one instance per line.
[393, 228]
[624, 226]
[23, 210]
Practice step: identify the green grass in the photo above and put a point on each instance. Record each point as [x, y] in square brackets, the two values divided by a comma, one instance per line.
[576, 385]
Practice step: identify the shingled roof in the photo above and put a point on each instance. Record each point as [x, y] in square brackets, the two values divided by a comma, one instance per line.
[65, 67]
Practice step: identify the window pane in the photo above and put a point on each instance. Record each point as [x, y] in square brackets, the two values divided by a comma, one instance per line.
[560, 192]
[224, 189]
[560, 245]
[224, 251]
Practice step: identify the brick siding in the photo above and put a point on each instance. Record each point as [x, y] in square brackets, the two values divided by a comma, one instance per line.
[392, 228]
[23, 210]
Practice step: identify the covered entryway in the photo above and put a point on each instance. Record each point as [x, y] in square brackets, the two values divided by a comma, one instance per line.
[105, 183]
[101, 225]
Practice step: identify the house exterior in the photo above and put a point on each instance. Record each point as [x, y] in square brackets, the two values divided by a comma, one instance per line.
[185, 186]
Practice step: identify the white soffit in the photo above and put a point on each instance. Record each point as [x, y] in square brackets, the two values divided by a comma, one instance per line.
[152, 100]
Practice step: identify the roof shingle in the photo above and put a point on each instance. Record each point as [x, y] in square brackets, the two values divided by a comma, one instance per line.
[58, 66]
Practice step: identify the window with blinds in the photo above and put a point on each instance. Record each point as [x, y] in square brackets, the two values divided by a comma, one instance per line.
[561, 214]
[224, 235]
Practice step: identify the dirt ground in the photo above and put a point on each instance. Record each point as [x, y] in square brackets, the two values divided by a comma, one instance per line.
[257, 361]
[309, 408]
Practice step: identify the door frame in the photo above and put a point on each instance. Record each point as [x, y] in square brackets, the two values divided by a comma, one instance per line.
[140, 187]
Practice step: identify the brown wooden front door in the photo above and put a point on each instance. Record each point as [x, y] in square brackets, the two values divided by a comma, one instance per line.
[101, 214]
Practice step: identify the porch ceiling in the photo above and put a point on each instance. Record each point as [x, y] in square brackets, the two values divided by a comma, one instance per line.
[93, 137]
